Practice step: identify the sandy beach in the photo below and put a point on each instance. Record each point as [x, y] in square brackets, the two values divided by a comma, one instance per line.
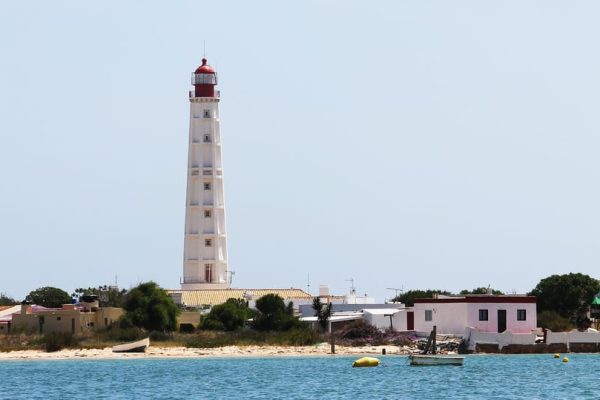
[322, 349]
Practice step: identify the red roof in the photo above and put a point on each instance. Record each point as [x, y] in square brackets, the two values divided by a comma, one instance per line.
[204, 68]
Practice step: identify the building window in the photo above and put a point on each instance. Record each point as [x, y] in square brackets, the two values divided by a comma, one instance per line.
[208, 272]
[483, 315]
[521, 315]
[206, 114]
[207, 139]
[208, 242]
[206, 185]
[207, 214]
[428, 315]
[58, 318]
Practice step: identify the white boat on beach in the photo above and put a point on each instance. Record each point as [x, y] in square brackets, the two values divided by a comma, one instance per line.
[138, 346]
[435, 359]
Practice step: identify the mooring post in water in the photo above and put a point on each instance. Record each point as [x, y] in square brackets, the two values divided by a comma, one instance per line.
[331, 338]
[434, 334]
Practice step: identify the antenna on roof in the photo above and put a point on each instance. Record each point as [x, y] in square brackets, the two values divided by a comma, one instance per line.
[352, 288]
[308, 283]
[397, 290]
[204, 49]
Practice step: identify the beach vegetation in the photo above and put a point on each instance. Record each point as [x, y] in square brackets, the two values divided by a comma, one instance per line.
[148, 306]
[6, 300]
[568, 295]
[303, 336]
[56, 341]
[48, 296]
[408, 298]
[554, 321]
[273, 315]
[361, 333]
[229, 316]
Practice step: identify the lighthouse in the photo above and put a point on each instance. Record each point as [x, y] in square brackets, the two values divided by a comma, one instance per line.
[205, 238]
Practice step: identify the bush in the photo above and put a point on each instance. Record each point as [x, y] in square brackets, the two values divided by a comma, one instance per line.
[58, 340]
[273, 315]
[186, 328]
[159, 336]
[358, 330]
[293, 337]
[554, 321]
[148, 306]
[229, 316]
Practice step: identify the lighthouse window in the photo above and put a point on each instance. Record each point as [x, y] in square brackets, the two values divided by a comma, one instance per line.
[207, 242]
[206, 138]
[208, 272]
[207, 114]
[207, 214]
[206, 185]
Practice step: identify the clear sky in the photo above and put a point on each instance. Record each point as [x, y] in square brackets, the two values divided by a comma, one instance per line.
[407, 144]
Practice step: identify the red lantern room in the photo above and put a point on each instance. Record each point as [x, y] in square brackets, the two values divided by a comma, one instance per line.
[204, 80]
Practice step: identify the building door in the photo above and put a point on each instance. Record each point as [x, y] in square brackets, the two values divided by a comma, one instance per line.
[410, 321]
[501, 321]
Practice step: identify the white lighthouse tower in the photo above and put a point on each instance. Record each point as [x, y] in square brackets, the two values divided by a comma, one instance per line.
[205, 245]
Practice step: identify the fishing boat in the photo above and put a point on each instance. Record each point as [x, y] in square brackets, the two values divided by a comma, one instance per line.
[435, 359]
[138, 346]
[429, 355]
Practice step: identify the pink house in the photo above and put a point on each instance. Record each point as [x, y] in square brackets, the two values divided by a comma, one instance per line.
[486, 313]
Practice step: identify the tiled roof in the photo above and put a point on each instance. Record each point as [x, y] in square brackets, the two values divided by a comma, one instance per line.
[220, 296]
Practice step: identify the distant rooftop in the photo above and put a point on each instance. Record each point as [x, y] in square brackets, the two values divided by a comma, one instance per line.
[219, 296]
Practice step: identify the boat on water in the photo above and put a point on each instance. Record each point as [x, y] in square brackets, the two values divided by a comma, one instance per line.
[435, 359]
[138, 346]
[429, 355]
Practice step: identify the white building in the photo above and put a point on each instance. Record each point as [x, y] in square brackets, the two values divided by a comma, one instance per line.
[205, 243]
[485, 313]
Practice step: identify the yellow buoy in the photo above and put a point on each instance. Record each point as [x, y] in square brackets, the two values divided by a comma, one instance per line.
[556, 355]
[366, 362]
[566, 359]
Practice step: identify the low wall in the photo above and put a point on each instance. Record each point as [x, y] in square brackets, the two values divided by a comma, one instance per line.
[575, 341]
[503, 339]
[510, 343]
[537, 348]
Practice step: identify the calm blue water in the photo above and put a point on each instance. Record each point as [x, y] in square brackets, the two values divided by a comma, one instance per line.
[482, 377]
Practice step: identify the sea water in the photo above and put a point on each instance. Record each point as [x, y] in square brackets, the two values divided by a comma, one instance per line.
[326, 377]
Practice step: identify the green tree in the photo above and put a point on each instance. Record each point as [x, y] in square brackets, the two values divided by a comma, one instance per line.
[322, 312]
[568, 295]
[108, 296]
[5, 300]
[48, 297]
[148, 306]
[273, 315]
[408, 298]
[229, 316]
[480, 290]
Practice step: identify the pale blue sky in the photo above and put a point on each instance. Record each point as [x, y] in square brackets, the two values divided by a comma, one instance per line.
[415, 144]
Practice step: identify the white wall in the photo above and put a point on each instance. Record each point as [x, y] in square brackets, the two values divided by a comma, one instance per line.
[512, 325]
[449, 318]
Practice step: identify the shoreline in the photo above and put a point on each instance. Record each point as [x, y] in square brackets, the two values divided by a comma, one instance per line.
[322, 349]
